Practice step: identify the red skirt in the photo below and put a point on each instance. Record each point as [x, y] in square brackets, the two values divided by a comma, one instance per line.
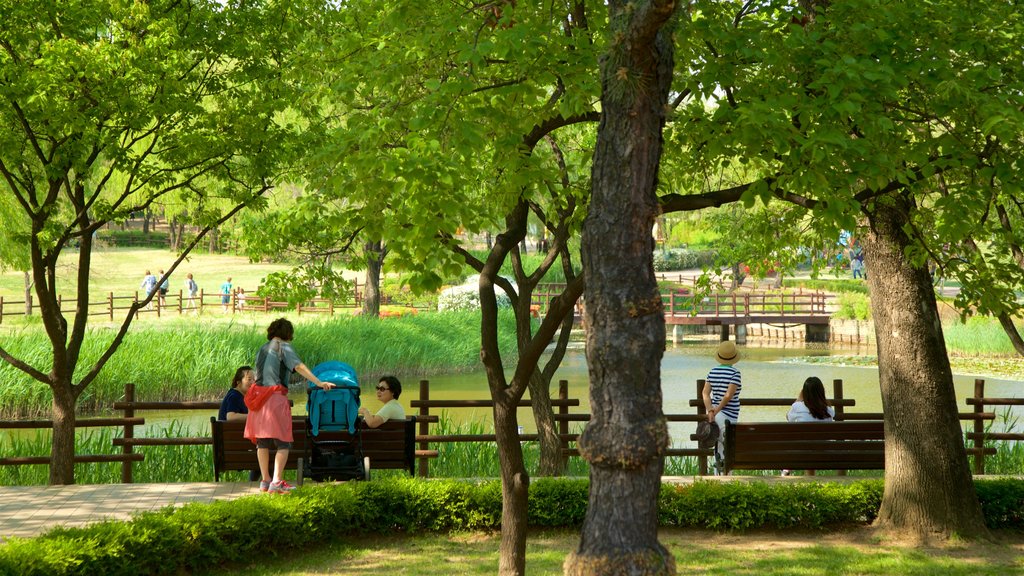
[273, 420]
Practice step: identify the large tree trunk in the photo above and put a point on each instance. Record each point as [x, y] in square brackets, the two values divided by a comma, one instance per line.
[627, 435]
[374, 262]
[62, 448]
[928, 486]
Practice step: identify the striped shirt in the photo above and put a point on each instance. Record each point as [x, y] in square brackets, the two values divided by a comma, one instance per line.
[719, 379]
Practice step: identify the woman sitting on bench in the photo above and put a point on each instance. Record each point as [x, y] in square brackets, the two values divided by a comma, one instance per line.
[810, 406]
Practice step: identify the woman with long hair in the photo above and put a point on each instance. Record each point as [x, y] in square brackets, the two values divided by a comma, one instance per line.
[811, 405]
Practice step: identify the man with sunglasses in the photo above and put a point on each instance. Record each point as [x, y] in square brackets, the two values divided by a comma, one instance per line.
[388, 391]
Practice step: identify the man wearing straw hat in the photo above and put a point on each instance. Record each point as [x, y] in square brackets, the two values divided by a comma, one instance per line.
[722, 395]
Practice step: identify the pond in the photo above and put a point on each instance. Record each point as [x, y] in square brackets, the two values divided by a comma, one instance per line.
[767, 372]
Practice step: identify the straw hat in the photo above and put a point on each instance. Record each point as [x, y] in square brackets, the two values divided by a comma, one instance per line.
[727, 353]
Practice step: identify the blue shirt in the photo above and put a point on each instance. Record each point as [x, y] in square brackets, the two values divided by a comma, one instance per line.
[233, 402]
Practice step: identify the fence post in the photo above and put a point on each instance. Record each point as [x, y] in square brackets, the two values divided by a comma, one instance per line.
[702, 461]
[110, 305]
[330, 306]
[181, 294]
[1, 309]
[424, 427]
[129, 432]
[563, 410]
[979, 428]
[837, 394]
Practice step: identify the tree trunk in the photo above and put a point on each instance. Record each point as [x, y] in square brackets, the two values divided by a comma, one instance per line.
[1011, 332]
[626, 438]
[28, 293]
[737, 277]
[928, 487]
[552, 462]
[514, 487]
[62, 450]
[374, 262]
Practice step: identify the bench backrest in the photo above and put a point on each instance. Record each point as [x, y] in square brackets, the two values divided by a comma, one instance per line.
[390, 446]
[855, 445]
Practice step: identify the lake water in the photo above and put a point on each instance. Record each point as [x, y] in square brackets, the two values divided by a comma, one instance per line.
[767, 373]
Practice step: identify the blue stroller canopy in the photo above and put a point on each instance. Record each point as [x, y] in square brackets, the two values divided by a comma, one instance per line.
[335, 409]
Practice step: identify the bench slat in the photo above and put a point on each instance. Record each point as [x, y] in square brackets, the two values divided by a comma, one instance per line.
[805, 445]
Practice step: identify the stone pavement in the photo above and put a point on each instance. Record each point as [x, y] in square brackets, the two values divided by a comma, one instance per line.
[27, 511]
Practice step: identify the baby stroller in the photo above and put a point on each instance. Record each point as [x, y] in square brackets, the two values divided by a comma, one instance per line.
[333, 447]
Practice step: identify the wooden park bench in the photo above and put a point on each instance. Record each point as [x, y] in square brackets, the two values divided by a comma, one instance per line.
[391, 446]
[848, 445]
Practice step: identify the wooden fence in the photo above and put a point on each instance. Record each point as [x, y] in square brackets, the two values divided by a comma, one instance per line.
[180, 303]
[977, 436]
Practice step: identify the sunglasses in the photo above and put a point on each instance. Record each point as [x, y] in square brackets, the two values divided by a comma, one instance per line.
[382, 388]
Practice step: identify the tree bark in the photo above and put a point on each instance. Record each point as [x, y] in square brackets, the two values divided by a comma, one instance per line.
[514, 486]
[552, 462]
[1011, 332]
[374, 262]
[62, 446]
[626, 438]
[928, 487]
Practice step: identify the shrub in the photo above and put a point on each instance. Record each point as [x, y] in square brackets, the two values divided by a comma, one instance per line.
[466, 296]
[682, 259]
[853, 306]
[197, 536]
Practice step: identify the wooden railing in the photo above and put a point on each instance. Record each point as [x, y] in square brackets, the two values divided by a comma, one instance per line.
[563, 417]
[179, 303]
[681, 302]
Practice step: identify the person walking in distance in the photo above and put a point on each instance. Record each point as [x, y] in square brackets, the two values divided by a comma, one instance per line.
[191, 288]
[225, 295]
[148, 286]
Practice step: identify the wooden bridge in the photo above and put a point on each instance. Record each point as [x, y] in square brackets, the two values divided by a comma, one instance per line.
[739, 309]
[736, 309]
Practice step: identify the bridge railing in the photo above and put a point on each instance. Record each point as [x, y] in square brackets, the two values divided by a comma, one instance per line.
[682, 302]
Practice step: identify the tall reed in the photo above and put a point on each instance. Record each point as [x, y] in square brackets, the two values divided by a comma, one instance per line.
[188, 359]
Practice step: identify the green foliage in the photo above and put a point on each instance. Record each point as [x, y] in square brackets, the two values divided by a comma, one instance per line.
[195, 537]
[683, 259]
[188, 360]
[130, 238]
[852, 306]
[1002, 502]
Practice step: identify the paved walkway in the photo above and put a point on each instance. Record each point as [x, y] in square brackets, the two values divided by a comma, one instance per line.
[27, 511]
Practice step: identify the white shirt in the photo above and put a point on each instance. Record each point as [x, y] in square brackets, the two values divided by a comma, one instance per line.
[799, 413]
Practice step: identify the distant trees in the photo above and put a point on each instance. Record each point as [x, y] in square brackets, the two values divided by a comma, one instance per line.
[108, 108]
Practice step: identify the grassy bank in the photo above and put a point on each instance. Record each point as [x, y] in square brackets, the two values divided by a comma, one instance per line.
[194, 359]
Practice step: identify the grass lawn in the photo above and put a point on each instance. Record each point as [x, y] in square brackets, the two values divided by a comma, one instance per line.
[854, 551]
[120, 270]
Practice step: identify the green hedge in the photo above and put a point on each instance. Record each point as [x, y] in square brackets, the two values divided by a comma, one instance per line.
[198, 536]
[683, 259]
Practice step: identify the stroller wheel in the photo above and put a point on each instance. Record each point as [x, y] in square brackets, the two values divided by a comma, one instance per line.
[366, 468]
